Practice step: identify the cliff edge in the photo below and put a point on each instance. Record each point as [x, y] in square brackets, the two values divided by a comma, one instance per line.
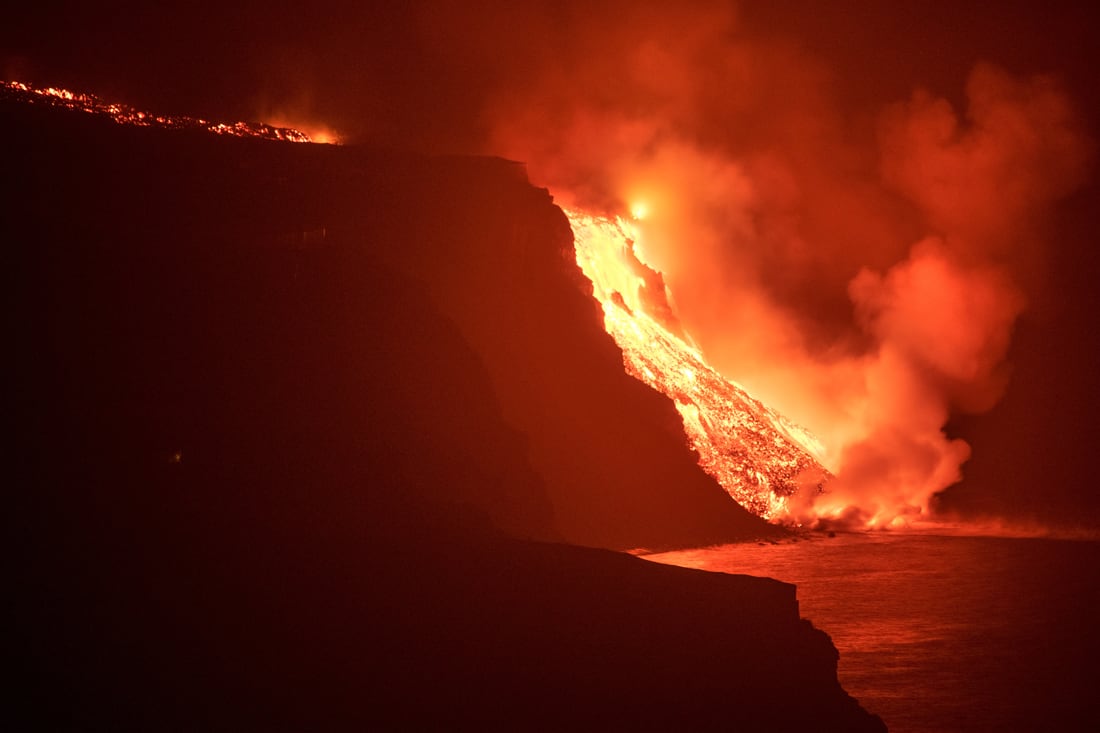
[299, 432]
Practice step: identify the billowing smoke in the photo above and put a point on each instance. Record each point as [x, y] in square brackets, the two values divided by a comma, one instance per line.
[853, 252]
[861, 273]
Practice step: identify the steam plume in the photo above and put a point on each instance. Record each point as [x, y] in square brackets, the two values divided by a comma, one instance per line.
[863, 278]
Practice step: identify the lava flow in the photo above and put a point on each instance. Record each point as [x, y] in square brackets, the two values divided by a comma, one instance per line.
[762, 459]
[126, 115]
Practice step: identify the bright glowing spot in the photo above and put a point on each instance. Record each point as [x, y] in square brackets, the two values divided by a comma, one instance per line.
[639, 210]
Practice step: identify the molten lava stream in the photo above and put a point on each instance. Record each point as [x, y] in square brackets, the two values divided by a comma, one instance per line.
[126, 115]
[762, 459]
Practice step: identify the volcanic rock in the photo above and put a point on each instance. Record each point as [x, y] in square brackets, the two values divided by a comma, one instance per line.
[288, 421]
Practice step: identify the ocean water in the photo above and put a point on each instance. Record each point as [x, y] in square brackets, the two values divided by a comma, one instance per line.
[946, 633]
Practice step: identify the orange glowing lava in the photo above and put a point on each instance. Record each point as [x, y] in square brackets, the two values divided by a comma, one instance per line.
[766, 462]
[126, 115]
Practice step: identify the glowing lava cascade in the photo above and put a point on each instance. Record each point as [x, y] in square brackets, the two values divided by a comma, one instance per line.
[762, 459]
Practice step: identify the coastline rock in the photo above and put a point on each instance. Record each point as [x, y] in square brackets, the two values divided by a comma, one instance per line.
[288, 423]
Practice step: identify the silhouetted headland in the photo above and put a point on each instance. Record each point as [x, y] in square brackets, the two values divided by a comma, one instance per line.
[313, 437]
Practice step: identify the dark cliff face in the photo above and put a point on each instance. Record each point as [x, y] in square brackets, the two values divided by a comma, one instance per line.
[497, 258]
[282, 416]
[210, 230]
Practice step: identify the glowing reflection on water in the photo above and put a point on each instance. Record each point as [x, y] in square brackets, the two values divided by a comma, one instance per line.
[941, 633]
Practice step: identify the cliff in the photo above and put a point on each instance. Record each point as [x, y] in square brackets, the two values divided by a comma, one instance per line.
[289, 421]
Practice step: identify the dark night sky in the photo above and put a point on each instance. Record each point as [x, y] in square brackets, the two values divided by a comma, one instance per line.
[426, 79]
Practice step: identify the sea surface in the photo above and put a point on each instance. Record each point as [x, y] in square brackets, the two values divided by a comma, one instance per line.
[946, 633]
